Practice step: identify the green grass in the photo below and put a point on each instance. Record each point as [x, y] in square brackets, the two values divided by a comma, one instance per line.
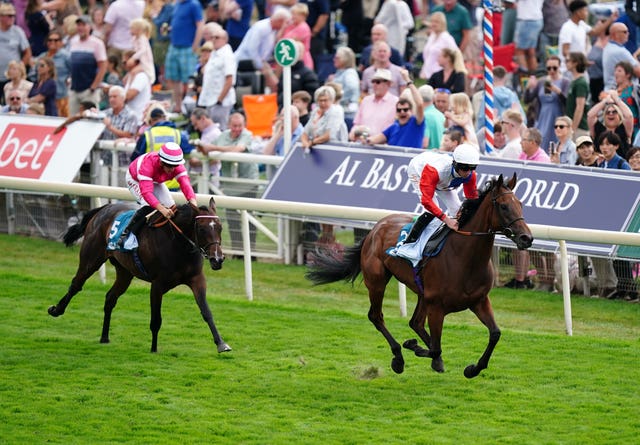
[307, 366]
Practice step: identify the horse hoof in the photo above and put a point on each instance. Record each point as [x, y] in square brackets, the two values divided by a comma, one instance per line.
[223, 347]
[397, 364]
[104, 340]
[437, 365]
[471, 371]
[410, 344]
[53, 311]
[421, 352]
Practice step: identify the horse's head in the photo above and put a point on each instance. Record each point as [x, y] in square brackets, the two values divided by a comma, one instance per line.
[507, 213]
[208, 234]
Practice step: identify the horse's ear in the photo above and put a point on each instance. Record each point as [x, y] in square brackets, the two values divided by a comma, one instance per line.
[512, 181]
[500, 181]
[212, 204]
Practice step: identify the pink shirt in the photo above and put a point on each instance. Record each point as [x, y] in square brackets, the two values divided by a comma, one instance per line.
[144, 54]
[538, 156]
[147, 170]
[301, 33]
[376, 114]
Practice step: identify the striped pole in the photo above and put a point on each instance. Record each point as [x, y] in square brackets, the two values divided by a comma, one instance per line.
[487, 26]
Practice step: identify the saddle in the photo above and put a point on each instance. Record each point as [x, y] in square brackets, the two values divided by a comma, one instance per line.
[436, 241]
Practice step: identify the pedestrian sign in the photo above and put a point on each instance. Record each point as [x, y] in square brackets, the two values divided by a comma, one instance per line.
[285, 52]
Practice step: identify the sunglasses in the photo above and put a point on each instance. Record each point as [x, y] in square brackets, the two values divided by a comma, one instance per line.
[377, 81]
[53, 40]
[15, 98]
[552, 68]
[611, 112]
[465, 167]
[560, 126]
[402, 110]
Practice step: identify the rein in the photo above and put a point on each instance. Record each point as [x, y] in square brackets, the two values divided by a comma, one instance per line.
[196, 248]
[504, 230]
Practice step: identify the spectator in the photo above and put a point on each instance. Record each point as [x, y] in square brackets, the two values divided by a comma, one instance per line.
[633, 158]
[140, 30]
[44, 89]
[453, 73]
[137, 86]
[237, 26]
[564, 151]
[377, 110]
[88, 65]
[347, 76]
[609, 143]
[529, 23]
[627, 91]
[204, 54]
[433, 118]
[16, 47]
[408, 129]
[302, 101]
[460, 117]
[508, 22]
[162, 22]
[554, 14]
[275, 145]
[353, 19]
[614, 52]
[35, 109]
[511, 124]
[324, 124]
[111, 78]
[379, 32]
[450, 140]
[441, 99]
[218, 94]
[616, 117]
[257, 45]
[576, 107]
[99, 27]
[458, 22]
[595, 69]
[61, 9]
[16, 75]
[62, 62]
[317, 20]
[302, 78]
[236, 139]
[39, 24]
[504, 98]
[380, 57]
[298, 29]
[575, 33]
[16, 104]
[119, 121]
[209, 132]
[397, 17]
[117, 30]
[439, 38]
[548, 96]
[185, 35]
[587, 154]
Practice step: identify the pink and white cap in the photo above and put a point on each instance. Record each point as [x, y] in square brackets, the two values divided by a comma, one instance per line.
[171, 154]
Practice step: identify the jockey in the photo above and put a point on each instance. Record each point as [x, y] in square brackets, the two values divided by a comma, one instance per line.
[145, 180]
[440, 174]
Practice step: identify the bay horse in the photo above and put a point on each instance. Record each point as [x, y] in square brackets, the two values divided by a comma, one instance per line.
[168, 255]
[458, 278]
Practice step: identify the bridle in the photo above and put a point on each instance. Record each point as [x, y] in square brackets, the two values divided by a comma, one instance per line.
[196, 246]
[504, 230]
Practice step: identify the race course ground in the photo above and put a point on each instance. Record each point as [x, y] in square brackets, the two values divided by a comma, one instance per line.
[307, 367]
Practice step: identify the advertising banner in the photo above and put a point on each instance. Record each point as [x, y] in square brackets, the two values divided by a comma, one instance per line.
[29, 149]
[358, 176]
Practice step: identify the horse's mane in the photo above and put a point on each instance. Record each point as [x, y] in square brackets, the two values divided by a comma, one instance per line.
[470, 206]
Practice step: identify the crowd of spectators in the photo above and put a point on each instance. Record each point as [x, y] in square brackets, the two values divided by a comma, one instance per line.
[573, 75]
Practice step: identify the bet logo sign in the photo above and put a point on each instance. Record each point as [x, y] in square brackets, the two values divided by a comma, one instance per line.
[25, 150]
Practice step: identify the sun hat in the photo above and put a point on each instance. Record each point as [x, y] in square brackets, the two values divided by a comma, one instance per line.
[382, 74]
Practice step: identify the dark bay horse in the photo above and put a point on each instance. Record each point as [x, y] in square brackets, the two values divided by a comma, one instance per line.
[458, 278]
[168, 255]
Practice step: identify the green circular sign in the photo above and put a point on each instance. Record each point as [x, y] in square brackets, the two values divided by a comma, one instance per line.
[285, 52]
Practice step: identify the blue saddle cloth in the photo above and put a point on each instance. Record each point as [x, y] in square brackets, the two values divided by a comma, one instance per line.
[119, 224]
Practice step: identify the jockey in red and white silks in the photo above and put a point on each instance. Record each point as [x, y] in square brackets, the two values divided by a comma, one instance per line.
[440, 174]
[147, 173]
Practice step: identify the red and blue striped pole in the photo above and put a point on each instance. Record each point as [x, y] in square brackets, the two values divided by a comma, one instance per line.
[487, 26]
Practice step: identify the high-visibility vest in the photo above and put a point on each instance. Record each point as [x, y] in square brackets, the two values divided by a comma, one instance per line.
[156, 137]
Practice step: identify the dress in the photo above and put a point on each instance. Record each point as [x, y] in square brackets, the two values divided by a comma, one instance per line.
[551, 106]
[48, 90]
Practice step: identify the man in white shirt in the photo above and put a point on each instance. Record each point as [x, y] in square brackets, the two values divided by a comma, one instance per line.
[511, 125]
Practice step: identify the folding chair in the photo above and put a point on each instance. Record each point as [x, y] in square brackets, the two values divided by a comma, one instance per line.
[260, 110]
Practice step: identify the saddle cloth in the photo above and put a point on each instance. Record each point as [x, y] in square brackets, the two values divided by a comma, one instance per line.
[120, 222]
[414, 252]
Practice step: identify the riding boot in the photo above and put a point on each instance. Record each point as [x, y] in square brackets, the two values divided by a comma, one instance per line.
[134, 226]
[418, 226]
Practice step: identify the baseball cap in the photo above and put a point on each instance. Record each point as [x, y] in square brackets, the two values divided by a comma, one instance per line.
[583, 140]
[382, 74]
[157, 113]
[7, 9]
[84, 19]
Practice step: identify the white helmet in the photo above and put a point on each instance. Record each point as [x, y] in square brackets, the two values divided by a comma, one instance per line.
[466, 154]
[171, 153]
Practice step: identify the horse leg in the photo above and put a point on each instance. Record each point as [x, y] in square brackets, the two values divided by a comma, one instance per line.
[417, 324]
[377, 318]
[484, 312]
[155, 296]
[90, 261]
[435, 316]
[123, 280]
[199, 288]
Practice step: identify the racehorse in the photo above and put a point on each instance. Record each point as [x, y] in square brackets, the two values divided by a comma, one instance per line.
[168, 255]
[458, 278]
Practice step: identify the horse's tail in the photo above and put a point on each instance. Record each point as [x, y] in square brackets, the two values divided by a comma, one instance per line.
[76, 231]
[327, 268]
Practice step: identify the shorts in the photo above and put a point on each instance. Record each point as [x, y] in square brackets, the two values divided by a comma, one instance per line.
[180, 64]
[527, 33]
